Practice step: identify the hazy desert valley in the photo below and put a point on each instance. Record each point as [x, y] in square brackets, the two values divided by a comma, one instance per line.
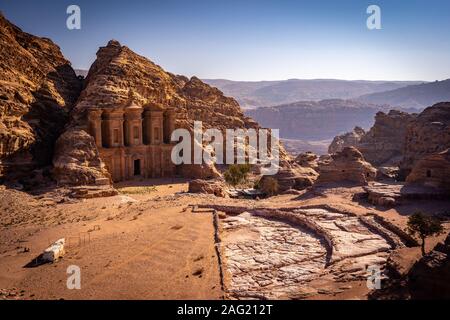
[86, 158]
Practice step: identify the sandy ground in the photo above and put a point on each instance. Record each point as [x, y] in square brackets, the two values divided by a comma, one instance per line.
[144, 243]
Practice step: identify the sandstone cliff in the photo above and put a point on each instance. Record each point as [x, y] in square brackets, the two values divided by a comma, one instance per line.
[383, 144]
[349, 139]
[426, 278]
[38, 87]
[348, 165]
[429, 133]
[432, 171]
[118, 71]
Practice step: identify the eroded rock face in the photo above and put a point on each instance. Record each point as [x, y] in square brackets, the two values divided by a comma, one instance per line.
[77, 161]
[432, 171]
[429, 278]
[308, 160]
[119, 71]
[214, 187]
[38, 88]
[349, 139]
[392, 193]
[293, 176]
[383, 144]
[268, 258]
[348, 165]
[428, 134]
[277, 254]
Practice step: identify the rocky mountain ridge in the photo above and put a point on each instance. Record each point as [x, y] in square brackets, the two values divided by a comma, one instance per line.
[38, 88]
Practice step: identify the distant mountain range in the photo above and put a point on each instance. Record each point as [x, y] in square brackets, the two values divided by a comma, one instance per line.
[316, 120]
[271, 93]
[412, 96]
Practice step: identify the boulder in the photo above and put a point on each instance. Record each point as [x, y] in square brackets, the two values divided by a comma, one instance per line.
[293, 176]
[387, 201]
[215, 187]
[54, 252]
[77, 161]
[348, 165]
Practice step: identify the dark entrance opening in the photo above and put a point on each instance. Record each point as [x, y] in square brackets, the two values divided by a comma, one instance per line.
[137, 167]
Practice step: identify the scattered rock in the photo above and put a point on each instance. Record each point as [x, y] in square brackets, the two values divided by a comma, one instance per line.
[89, 192]
[308, 160]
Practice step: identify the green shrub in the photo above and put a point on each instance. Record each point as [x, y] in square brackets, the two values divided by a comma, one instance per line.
[236, 174]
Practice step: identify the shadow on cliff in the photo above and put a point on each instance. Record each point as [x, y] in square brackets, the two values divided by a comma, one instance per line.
[30, 167]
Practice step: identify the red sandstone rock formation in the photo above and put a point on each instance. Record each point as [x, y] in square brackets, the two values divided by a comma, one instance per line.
[428, 134]
[78, 162]
[119, 71]
[429, 278]
[307, 159]
[38, 87]
[383, 144]
[347, 165]
[432, 171]
[293, 176]
[426, 278]
[214, 187]
[349, 139]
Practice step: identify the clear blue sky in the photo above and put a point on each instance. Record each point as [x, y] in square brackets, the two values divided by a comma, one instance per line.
[255, 39]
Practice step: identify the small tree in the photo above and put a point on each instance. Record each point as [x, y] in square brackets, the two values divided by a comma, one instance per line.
[424, 226]
[236, 174]
[269, 186]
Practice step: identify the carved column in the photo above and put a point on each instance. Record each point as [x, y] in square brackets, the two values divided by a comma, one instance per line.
[157, 127]
[153, 123]
[95, 125]
[146, 127]
[133, 126]
[169, 124]
[114, 127]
